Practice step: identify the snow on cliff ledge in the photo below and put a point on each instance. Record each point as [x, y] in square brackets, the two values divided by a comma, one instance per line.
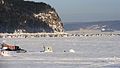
[28, 17]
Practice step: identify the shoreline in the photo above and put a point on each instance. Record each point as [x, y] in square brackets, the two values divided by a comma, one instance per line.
[62, 34]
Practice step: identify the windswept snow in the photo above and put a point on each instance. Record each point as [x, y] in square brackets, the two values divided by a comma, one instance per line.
[67, 52]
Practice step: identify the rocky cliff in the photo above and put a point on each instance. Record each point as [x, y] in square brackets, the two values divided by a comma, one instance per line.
[28, 17]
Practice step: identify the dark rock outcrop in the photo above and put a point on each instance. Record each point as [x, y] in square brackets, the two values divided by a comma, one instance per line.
[28, 17]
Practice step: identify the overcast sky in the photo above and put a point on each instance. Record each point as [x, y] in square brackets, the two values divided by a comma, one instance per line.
[86, 10]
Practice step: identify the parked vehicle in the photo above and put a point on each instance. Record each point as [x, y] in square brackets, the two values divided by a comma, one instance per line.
[7, 49]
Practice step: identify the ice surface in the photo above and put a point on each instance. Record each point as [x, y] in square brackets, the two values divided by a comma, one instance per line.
[90, 52]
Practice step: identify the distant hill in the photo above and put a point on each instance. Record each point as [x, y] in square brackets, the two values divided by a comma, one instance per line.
[110, 25]
[28, 17]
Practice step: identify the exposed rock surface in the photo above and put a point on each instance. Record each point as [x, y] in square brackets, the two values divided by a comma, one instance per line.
[28, 17]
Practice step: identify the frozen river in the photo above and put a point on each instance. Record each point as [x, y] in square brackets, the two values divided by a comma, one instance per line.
[90, 52]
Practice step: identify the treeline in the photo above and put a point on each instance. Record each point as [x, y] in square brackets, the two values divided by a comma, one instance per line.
[18, 14]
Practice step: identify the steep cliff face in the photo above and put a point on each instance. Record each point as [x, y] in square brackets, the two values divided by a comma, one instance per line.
[28, 17]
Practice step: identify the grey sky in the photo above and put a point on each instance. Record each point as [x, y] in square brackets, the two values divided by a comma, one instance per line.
[86, 10]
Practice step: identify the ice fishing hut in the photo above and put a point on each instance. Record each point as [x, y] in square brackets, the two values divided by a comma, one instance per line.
[47, 49]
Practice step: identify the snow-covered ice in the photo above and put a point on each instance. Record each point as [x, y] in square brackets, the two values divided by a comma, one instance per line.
[89, 52]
